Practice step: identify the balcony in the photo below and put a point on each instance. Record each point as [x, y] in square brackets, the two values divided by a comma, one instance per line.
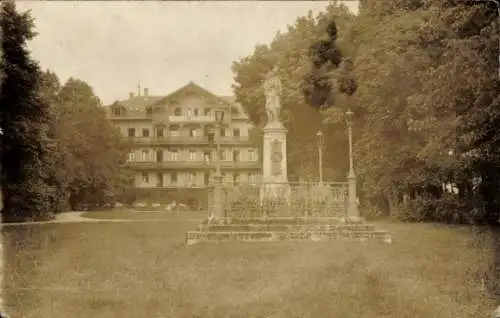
[193, 165]
[169, 140]
[132, 116]
[234, 140]
[185, 119]
[187, 140]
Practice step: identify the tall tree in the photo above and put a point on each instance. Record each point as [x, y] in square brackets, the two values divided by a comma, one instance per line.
[426, 82]
[24, 119]
[290, 52]
[92, 149]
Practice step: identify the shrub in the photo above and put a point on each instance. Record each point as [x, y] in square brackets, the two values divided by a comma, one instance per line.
[128, 197]
[448, 209]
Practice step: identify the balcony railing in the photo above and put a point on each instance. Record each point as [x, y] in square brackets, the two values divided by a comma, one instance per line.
[233, 139]
[191, 119]
[183, 139]
[129, 117]
[194, 164]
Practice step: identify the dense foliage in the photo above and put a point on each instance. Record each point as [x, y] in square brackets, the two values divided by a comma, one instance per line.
[24, 119]
[422, 80]
[58, 149]
[90, 150]
[306, 56]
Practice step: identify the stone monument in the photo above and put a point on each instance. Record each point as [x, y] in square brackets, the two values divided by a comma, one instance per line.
[274, 163]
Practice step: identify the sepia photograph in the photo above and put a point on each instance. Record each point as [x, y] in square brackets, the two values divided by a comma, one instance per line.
[267, 159]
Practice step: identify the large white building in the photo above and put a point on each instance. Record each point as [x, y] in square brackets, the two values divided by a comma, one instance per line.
[172, 154]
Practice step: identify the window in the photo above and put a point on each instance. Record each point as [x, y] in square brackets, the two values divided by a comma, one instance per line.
[159, 155]
[117, 111]
[177, 111]
[208, 111]
[236, 177]
[207, 132]
[192, 154]
[131, 132]
[206, 178]
[207, 156]
[192, 133]
[131, 156]
[175, 132]
[145, 155]
[145, 132]
[159, 132]
[223, 132]
[196, 112]
[189, 112]
[223, 154]
[159, 180]
[174, 155]
[145, 177]
[251, 155]
[236, 132]
[190, 179]
[252, 177]
[236, 155]
[173, 177]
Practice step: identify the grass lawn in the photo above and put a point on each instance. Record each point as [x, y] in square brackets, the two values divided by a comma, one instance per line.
[141, 270]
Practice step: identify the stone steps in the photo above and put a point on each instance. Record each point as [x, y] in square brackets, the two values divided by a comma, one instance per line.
[269, 229]
[193, 237]
[286, 227]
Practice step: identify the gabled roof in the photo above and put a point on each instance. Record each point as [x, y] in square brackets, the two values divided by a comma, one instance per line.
[139, 102]
[191, 87]
[136, 105]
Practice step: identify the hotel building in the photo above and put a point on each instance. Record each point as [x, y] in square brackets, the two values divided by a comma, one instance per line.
[172, 150]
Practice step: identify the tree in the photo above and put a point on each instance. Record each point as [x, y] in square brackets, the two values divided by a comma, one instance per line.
[92, 151]
[427, 129]
[470, 58]
[290, 52]
[59, 150]
[24, 119]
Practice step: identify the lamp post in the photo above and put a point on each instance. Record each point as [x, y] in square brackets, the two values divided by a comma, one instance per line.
[352, 205]
[320, 140]
[217, 211]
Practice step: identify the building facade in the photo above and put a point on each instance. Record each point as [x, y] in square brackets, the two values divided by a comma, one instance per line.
[173, 149]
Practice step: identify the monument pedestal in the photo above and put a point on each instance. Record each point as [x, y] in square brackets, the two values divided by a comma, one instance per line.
[274, 185]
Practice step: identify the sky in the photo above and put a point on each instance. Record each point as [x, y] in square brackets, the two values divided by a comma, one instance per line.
[117, 45]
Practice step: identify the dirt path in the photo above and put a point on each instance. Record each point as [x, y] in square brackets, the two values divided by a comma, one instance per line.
[68, 217]
[75, 216]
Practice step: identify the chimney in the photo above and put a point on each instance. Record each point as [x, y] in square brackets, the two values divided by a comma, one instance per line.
[146, 92]
[131, 95]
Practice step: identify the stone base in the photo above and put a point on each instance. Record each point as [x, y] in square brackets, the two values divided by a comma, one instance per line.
[193, 237]
[288, 220]
[287, 229]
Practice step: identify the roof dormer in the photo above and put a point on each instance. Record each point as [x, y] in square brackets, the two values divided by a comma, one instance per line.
[118, 110]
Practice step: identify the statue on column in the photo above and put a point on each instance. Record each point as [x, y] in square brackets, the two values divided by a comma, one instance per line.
[272, 87]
